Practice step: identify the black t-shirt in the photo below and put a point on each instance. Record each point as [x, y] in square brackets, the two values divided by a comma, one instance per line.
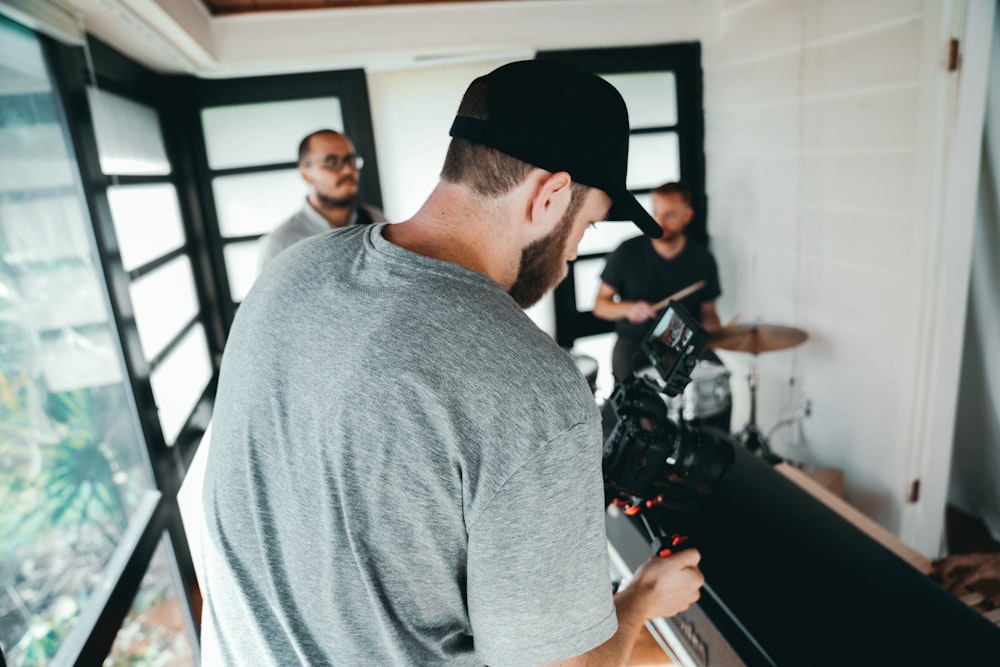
[638, 273]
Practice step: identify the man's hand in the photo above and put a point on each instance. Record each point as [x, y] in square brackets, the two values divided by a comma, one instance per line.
[641, 311]
[960, 573]
[661, 587]
[668, 586]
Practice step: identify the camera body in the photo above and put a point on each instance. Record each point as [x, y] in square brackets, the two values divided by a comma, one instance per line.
[648, 459]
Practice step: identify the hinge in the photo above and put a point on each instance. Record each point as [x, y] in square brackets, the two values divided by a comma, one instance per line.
[954, 57]
[914, 494]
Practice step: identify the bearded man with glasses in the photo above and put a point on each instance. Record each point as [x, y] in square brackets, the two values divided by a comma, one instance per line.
[331, 168]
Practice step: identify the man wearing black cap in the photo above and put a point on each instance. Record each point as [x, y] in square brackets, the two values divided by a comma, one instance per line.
[404, 469]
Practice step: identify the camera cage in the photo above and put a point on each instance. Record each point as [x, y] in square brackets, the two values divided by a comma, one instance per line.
[647, 455]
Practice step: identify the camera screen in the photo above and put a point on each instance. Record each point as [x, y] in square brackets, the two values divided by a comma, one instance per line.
[675, 337]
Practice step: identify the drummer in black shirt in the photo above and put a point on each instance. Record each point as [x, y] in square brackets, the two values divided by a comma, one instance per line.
[642, 271]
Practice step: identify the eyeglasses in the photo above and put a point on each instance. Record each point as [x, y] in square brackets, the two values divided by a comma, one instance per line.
[337, 162]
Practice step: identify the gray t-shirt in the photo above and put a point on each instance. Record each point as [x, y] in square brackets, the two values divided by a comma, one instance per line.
[404, 470]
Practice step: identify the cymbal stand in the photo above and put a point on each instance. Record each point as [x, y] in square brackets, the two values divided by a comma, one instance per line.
[751, 436]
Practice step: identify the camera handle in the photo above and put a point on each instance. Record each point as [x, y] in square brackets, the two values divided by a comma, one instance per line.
[663, 542]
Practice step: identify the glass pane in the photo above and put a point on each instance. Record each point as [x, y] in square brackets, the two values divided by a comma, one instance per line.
[43, 228]
[163, 301]
[73, 467]
[156, 631]
[651, 97]
[33, 165]
[653, 159]
[241, 267]
[179, 380]
[586, 279]
[147, 222]
[129, 140]
[67, 294]
[276, 128]
[75, 360]
[604, 237]
[251, 204]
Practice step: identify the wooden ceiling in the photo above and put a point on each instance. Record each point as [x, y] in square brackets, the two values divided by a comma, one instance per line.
[223, 7]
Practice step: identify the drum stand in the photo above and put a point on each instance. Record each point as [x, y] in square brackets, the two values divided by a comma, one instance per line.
[751, 436]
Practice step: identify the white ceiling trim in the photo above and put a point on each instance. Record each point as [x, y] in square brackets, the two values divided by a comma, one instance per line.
[180, 36]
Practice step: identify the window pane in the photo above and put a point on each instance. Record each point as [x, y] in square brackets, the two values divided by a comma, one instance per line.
[147, 222]
[653, 159]
[71, 295]
[651, 97]
[156, 632]
[604, 237]
[129, 140]
[586, 279]
[276, 128]
[43, 228]
[33, 163]
[73, 467]
[179, 380]
[251, 204]
[241, 267]
[164, 301]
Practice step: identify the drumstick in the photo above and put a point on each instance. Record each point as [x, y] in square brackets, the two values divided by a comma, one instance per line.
[690, 289]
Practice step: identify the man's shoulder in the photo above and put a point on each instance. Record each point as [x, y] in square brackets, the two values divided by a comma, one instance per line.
[633, 245]
[699, 250]
[293, 223]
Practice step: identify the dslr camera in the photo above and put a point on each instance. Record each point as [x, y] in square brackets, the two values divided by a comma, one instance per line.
[650, 460]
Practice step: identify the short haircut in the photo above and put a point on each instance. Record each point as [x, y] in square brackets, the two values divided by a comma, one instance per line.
[674, 188]
[304, 144]
[487, 171]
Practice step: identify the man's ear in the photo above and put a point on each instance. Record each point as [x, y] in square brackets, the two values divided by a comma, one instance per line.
[550, 199]
[688, 216]
[304, 173]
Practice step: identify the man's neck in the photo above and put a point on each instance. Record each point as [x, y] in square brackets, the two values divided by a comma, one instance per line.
[454, 227]
[669, 248]
[335, 216]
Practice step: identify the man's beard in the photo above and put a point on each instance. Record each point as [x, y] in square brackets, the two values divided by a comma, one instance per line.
[326, 201]
[542, 264]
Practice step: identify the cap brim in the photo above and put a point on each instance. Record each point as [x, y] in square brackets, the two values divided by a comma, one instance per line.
[624, 206]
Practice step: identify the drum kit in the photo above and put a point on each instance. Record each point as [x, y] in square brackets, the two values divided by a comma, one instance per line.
[754, 339]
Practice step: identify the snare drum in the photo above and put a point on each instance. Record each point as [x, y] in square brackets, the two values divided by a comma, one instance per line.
[706, 400]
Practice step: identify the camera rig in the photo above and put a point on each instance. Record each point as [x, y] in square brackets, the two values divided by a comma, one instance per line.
[648, 459]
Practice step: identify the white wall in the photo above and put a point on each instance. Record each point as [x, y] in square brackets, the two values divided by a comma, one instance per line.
[823, 137]
[826, 135]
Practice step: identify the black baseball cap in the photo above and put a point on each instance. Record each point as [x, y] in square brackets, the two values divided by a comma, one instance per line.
[560, 118]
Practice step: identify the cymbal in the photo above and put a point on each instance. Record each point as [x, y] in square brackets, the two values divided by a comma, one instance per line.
[756, 338]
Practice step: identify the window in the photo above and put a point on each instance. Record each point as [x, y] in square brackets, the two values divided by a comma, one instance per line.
[661, 86]
[76, 478]
[253, 186]
[152, 245]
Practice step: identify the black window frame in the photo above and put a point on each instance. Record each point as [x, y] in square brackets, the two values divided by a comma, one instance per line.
[349, 86]
[684, 60]
[112, 72]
